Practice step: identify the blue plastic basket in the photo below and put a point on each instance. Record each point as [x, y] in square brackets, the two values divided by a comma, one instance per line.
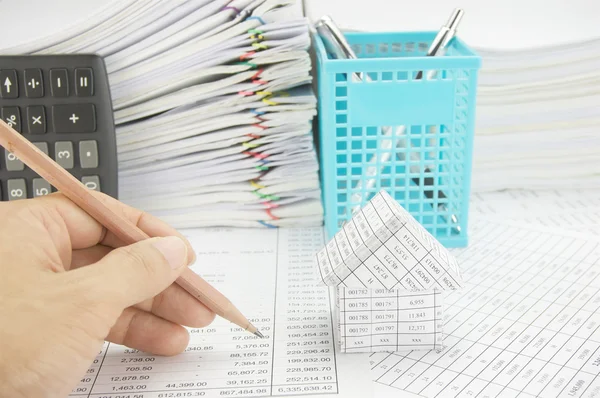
[375, 106]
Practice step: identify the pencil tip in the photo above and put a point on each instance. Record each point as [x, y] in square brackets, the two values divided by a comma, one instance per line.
[259, 334]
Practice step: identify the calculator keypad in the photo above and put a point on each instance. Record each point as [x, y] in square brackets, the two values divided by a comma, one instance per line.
[64, 155]
[34, 87]
[84, 82]
[42, 146]
[62, 104]
[75, 118]
[59, 82]
[17, 189]
[92, 182]
[8, 80]
[41, 187]
[88, 154]
[13, 163]
[12, 116]
[36, 119]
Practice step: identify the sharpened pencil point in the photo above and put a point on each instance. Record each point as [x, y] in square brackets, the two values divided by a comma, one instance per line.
[259, 334]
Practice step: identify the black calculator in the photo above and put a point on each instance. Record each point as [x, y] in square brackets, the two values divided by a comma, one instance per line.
[62, 104]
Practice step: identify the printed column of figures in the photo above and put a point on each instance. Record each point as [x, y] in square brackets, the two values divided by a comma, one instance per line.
[305, 360]
[297, 357]
[394, 320]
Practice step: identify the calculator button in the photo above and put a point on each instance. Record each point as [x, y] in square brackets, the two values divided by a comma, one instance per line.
[36, 119]
[12, 116]
[74, 118]
[41, 187]
[91, 182]
[88, 154]
[84, 82]
[59, 82]
[16, 189]
[8, 80]
[12, 162]
[42, 146]
[64, 155]
[34, 87]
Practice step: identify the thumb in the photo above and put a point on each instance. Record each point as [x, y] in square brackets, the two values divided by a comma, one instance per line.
[134, 273]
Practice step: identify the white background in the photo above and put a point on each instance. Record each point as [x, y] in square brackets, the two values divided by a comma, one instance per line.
[501, 24]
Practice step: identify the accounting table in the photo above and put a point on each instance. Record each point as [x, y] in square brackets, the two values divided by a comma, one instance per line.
[526, 325]
[272, 280]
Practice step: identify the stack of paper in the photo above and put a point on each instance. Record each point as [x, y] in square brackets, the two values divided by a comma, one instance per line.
[538, 118]
[213, 105]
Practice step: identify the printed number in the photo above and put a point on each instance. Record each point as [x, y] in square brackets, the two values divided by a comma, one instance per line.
[41, 191]
[64, 154]
[91, 185]
[16, 193]
[12, 157]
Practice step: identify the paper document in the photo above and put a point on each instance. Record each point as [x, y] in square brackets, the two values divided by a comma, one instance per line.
[206, 94]
[270, 276]
[526, 324]
[389, 274]
[384, 247]
[389, 320]
[574, 210]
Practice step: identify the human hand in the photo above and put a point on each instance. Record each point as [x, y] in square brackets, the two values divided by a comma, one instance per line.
[67, 285]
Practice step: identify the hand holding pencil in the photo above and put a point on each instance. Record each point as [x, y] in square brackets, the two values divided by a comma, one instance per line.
[120, 226]
[68, 285]
[80, 268]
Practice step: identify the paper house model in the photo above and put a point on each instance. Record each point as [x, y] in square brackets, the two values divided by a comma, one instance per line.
[390, 276]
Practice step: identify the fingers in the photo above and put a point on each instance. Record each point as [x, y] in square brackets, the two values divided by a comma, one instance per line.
[146, 332]
[90, 255]
[173, 304]
[134, 273]
[177, 305]
[85, 231]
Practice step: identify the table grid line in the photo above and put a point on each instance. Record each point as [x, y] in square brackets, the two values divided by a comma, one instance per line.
[371, 311]
[474, 312]
[566, 246]
[585, 341]
[393, 234]
[481, 270]
[511, 352]
[397, 318]
[583, 265]
[541, 329]
[351, 271]
[594, 379]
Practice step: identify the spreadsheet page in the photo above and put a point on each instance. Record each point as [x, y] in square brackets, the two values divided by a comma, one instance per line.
[270, 276]
[526, 324]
